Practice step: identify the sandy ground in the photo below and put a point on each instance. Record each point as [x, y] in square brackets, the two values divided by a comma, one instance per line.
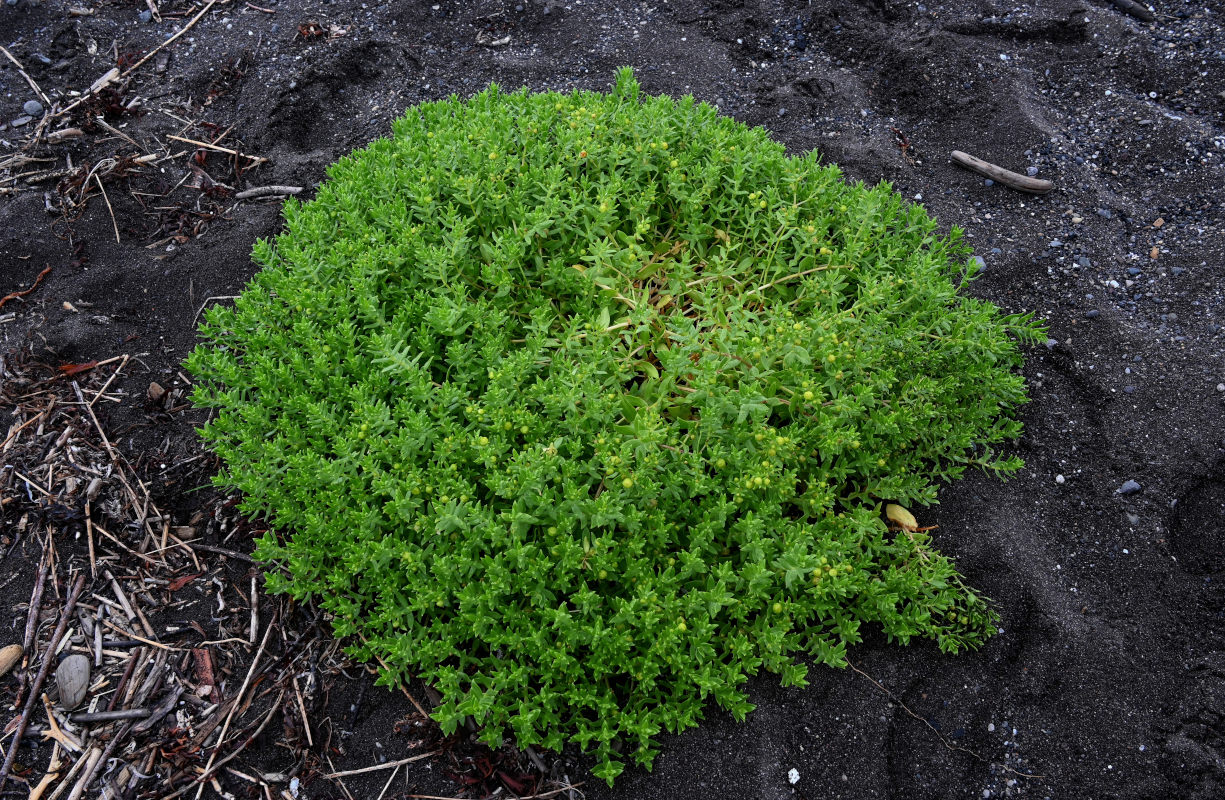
[1108, 679]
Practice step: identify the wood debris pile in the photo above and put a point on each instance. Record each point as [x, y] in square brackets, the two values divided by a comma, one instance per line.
[161, 670]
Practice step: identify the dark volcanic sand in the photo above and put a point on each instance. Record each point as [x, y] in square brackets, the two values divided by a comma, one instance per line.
[1108, 679]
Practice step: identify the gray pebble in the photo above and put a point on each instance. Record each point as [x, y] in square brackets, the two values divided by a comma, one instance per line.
[1133, 271]
[1051, 344]
[1055, 243]
[1104, 213]
[72, 680]
[146, 15]
[1129, 389]
[1092, 313]
[988, 182]
[1129, 487]
[1083, 261]
[1220, 387]
[33, 108]
[1031, 171]
[25, 119]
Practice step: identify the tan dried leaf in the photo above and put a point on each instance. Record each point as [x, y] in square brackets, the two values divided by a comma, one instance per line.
[901, 517]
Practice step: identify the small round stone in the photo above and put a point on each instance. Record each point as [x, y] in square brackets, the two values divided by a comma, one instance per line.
[1059, 479]
[33, 108]
[146, 15]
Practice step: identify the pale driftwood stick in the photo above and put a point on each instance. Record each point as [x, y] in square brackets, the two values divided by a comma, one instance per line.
[55, 137]
[1021, 183]
[264, 191]
[48, 659]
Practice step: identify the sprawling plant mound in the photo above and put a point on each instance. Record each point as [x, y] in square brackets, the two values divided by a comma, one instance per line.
[583, 407]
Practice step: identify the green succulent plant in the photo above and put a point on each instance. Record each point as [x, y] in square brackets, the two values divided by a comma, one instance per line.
[584, 407]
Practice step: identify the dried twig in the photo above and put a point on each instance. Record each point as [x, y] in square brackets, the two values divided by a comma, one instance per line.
[540, 796]
[114, 224]
[230, 717]
[939, 735]
[177, 34]
[212, 548]
[36, 602]
[25, 75]
[89, 717]
[218, 148]
[208, 300]
[1022, 183]
[379, 767]
[109, 380]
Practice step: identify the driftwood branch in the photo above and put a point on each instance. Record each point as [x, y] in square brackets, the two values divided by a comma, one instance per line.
[1137, 10]
[266, 191]
[1021, 183]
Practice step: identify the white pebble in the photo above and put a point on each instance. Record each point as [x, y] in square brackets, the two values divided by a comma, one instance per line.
[1059, 479]
[793, 776]
[990, 727]
[1220, 387]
